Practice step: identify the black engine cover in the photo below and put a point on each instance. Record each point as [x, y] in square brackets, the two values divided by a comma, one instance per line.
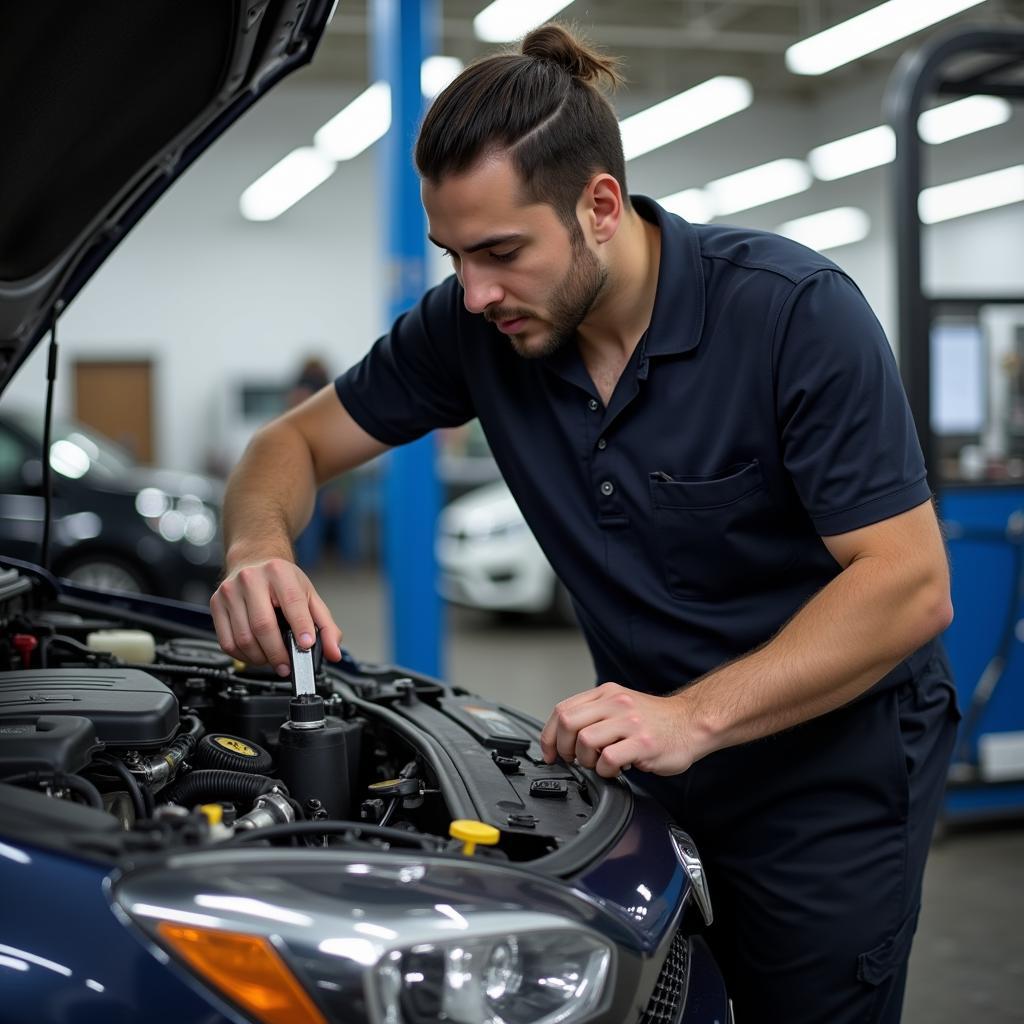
[128, 707]
[58, 743]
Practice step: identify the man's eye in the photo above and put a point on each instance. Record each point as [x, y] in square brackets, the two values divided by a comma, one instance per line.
[505, 257]
[452, 256]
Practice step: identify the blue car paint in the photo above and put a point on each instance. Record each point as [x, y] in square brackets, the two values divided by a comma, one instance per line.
[81, 964]
[100, 970]
[706, 999]
[639, 882]
[641, 877]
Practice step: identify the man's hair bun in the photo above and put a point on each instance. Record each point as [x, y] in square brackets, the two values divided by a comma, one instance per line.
[541, 105]
[556, 44]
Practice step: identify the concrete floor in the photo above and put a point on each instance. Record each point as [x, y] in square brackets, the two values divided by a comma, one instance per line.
[968, 960]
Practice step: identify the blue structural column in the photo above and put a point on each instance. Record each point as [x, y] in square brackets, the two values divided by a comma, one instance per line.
[404, 33]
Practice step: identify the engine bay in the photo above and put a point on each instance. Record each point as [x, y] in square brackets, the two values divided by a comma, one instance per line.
[149, 722]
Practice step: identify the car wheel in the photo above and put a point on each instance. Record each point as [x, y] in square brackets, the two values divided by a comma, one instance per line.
[105, 573]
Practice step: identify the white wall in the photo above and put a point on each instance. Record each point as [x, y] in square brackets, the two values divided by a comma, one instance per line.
[982, 253]
[212, 297]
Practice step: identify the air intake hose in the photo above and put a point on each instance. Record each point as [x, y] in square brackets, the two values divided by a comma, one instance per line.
[204, 787]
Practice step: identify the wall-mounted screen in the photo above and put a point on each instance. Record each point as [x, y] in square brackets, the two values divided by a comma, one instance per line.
[958, 379]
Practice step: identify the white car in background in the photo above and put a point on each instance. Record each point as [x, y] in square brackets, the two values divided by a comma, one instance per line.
[489, 559]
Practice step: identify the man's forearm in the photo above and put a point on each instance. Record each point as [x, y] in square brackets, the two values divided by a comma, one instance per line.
[858, 627]
[269, 496]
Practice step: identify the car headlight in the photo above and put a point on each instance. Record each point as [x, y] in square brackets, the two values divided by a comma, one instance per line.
[481, 527]
[508, 529]
[351, 939]
[547, 974]
[186, 518]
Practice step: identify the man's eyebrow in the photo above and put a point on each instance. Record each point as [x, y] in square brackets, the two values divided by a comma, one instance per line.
[487, 243]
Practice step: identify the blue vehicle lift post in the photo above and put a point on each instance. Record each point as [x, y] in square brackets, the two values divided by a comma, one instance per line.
[404, 34]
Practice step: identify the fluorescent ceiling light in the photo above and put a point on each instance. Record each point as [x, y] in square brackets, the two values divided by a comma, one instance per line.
[877, 146]
[868, 32]
[505, 20]
[971, 114]
[759, 185]
[688, 112]
[971, 195]
[285, 184]
[693, 204]
[853, 154]
[437, 73]
[358, 126]
[829, 229]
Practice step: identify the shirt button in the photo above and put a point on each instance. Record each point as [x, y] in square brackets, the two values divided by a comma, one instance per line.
[592, 405]
[607, 487]
[602, 444]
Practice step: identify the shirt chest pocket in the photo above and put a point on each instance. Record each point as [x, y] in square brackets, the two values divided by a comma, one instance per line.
[714, 534]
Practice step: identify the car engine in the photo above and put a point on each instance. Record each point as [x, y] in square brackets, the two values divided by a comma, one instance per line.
[108, 704]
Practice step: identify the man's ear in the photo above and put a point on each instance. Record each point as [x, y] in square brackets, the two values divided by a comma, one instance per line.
[601, 206]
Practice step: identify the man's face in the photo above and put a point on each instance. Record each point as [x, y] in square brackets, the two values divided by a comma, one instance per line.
[519, 266]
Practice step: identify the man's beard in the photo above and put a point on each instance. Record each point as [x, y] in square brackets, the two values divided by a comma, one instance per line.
[570, 302]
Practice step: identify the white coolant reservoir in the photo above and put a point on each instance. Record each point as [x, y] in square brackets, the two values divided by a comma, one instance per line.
[131, 645]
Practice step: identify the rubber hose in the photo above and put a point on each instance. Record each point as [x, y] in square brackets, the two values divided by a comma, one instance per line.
[191, 732]
[131, 784]
[210, 786]
[204, 672]
[82, 787]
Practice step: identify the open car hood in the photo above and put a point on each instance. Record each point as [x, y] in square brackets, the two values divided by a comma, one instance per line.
[105, 105]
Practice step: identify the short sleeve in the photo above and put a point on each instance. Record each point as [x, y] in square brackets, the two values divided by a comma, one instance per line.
[412, 381]
[848, 438]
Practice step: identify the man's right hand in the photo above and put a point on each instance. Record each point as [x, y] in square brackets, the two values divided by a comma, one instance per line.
[244, 613]
[269, 498]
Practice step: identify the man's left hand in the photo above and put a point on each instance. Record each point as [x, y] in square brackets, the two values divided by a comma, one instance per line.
[612, 728]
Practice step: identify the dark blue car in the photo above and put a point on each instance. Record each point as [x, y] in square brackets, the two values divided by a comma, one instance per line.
[186, 838]
[116, 525]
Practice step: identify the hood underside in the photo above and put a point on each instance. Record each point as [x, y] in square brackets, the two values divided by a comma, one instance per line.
[105, 105]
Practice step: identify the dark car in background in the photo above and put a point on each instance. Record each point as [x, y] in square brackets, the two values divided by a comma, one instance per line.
[187, 838]
[115, 525]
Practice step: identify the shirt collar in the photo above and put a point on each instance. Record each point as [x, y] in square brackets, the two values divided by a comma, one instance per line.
[678, 317]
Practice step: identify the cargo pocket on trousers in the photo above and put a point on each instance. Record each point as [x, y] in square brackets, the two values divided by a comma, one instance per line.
[874, 966]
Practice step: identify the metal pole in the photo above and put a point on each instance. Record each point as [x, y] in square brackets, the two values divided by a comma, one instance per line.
[917, 74]
[403, 34]
[903, 105]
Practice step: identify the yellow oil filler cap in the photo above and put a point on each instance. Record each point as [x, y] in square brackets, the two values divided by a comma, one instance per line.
[472, 833]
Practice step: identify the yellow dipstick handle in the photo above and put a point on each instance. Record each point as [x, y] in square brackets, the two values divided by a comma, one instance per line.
[213, 813]
[472, 833]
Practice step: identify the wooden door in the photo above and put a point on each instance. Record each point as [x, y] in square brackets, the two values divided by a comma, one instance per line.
[116, 398]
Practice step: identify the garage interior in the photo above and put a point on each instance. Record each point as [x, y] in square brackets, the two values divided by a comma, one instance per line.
[205, 320]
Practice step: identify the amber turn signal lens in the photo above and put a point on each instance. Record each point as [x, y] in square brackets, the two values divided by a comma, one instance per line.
[245, 968]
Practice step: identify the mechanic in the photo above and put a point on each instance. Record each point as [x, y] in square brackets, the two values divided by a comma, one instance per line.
[705, 428]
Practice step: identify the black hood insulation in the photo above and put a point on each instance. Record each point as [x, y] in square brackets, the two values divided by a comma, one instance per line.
[100, 93]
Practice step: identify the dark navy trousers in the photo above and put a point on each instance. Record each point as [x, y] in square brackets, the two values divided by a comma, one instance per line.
[814, 842]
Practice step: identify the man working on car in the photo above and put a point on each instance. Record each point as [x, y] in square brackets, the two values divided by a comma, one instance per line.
[705, 429]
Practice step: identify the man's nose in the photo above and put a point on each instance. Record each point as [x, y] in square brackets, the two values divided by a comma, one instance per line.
[480, 290]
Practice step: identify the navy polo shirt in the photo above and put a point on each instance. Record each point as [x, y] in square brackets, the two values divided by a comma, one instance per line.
[761, 410]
